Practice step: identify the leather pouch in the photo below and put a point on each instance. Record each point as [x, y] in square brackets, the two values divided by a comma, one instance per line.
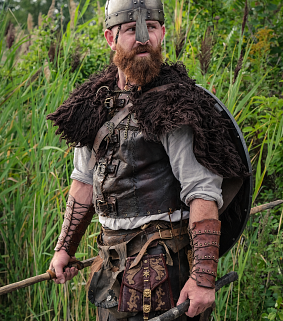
[146, 287]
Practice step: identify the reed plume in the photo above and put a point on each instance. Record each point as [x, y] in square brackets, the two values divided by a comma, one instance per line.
[240, 61]
[46, 71]
[51, 10]
[205, 51]
[39, 19]
[72, 10]
[30, 23]
[76, 58]
[10, 35]
[246, 12]
[238, 66]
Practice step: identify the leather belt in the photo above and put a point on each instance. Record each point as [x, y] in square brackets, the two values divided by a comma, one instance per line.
[160, 235]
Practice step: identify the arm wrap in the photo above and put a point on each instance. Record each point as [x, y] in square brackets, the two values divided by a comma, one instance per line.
[74, 225]
[205, 238]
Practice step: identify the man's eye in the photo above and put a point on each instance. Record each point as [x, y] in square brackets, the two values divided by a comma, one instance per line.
[131, 29]
[151, 27]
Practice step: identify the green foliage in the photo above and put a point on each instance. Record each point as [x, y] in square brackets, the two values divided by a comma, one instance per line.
[275, 313]
[40, 66]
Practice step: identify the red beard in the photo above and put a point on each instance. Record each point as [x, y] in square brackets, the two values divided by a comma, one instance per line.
[139, 70]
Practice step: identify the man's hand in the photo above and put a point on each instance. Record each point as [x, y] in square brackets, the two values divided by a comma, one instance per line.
[201, 298]
[59, 261]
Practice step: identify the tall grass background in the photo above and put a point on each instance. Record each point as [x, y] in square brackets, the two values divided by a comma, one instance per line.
[38, 71]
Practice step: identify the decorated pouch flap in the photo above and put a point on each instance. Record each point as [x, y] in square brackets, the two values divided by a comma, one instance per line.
[151, 267]
[146, 286]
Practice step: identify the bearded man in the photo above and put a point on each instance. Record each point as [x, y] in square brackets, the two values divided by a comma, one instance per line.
[153, 153]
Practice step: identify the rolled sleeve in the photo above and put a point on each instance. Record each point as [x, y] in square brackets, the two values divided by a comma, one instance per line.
[81, 172]
[196, 180]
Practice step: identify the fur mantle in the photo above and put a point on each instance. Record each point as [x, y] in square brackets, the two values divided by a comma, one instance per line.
[83, 113]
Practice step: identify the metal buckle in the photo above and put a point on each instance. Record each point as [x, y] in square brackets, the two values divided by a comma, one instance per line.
[109, 102]
[159, 231]
[101, 168]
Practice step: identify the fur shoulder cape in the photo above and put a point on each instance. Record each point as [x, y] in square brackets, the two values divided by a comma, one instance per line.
[83, 113]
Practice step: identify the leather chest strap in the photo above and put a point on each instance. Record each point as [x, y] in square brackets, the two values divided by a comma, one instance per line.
[104, 131]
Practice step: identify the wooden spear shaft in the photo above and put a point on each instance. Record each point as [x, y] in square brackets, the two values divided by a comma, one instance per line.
[49, 275]
[264, 207]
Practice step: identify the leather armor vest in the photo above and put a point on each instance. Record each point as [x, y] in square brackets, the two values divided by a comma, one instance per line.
[134, 178]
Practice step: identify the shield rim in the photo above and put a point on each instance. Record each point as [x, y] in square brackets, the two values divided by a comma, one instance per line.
[249, 180]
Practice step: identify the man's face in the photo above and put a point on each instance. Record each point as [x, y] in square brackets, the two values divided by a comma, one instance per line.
[140, 62]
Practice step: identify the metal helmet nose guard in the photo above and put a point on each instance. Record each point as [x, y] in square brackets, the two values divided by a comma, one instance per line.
[118, 12]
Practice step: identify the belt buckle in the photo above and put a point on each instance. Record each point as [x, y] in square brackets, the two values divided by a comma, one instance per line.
[109, 102]
[159, 231]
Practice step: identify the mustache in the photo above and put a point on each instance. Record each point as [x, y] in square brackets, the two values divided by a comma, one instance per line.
[141, 49]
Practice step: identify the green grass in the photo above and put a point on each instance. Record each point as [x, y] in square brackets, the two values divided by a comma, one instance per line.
[35, 168]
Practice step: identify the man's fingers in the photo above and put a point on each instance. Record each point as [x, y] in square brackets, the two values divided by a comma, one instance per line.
[193, 310]
[183, 297]
[197, 308]
[60, 276]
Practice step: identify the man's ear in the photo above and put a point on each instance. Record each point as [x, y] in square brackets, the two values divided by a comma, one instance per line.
[110, 38]
[163, 32]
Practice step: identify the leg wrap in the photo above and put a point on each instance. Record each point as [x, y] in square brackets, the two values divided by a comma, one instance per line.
[76, 220]
[205, 237]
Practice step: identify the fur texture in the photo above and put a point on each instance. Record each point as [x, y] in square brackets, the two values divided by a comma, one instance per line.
[83, 113]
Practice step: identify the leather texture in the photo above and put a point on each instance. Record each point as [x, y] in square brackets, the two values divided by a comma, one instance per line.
[146, 287]
[205, 236]
[137, 238]
[74, 227]
[80, 231]
[128, 178]
[66, 223]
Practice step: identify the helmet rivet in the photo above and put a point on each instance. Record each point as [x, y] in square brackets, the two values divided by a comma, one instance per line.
[131, 18]
[135, 2]
[148, 16]
[159, 11]
[141, 2]
[116, 14]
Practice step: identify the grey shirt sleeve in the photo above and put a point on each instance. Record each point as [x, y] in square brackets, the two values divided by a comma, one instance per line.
[81, 172]
[196, 180]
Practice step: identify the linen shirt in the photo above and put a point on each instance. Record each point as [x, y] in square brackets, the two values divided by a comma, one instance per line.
[196, 180]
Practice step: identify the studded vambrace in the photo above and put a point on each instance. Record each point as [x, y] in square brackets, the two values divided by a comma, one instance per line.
[205, 238]
[76, 220]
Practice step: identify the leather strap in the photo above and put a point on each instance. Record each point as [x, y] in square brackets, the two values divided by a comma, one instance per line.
[163, 235]
[122, 114]
[104, 131]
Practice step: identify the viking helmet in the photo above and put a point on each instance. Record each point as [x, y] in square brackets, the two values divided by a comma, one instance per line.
[118, 12]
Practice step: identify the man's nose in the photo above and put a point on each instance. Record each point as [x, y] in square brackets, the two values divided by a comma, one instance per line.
[142, 43]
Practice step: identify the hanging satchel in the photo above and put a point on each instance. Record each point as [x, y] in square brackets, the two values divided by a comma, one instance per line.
[146, 287]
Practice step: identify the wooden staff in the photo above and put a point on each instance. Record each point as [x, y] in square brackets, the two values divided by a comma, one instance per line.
[49, 275]
[264, 207]
[179, 310]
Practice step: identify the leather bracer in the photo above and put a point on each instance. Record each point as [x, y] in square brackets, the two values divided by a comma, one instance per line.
[76, 220]
[205, 239]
